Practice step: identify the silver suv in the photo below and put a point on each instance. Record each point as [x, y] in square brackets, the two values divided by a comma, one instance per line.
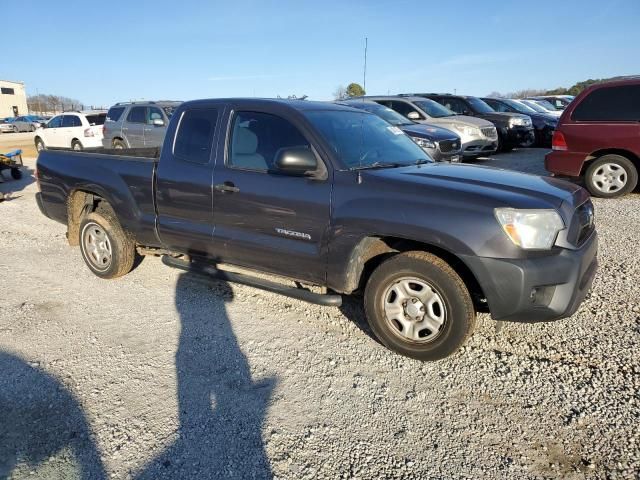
[137, 124]
[479, 137]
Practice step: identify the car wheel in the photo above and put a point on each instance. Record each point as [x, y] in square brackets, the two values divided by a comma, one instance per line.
[15, 129]
[611, 176]
[118, 144]
[40, 146]
[106, 249]
[16, 173]
[418, 306]
[32, 129]
[76, 145]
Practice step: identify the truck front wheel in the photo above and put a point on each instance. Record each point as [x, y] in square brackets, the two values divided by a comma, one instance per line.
[106, 248]
[418, 306]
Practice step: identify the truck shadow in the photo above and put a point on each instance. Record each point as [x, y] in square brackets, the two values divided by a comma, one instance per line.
[221, 409]
[41, 419]
[9, 186]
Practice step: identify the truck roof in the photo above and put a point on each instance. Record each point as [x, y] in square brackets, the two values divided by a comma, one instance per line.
[301, 105]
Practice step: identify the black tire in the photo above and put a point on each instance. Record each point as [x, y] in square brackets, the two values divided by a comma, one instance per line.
[122, 247]
[619, 165]
[117, 143]
[16, 173]
[77, 146]
[15, 129]
[32, 129]
[40, 144]
[459, 314]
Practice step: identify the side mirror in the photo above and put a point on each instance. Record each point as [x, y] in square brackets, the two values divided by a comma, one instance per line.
[296, 160]
[413, 116]
[467, 112]
[158, 122]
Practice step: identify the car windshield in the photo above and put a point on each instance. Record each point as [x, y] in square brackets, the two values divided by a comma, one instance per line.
[546, 105]
[518, 107]
[391, 116]
[534, 106]
[362, 140]
[434, 109]
[479, 106]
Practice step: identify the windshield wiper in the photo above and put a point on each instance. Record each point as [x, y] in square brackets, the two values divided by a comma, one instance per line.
[377, 165]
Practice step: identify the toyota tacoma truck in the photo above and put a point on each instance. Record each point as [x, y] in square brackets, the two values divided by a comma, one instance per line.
[340, 202]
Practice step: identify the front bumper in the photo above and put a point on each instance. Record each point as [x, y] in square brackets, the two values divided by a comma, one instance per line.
[537, 289]
[476, 148]
[520, 136]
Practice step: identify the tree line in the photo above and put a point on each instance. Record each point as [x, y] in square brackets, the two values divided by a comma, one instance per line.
[572, 90]
[52, 104]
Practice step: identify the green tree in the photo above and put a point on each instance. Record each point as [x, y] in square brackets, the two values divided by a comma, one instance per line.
[355, 90]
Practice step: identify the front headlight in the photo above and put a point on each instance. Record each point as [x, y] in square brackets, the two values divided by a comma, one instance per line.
[423, 142]
[467, 131]
[520, 121]
[530, 229]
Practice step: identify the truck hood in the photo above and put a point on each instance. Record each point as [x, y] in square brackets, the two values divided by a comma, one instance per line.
[502, 116]
[473, 183]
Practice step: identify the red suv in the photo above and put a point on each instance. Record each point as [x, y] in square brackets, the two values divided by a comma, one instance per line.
[598, 138]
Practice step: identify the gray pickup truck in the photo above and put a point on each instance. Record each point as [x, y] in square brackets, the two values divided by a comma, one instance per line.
[335, 197]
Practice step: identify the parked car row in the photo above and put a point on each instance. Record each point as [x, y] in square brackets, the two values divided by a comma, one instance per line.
[25, 123]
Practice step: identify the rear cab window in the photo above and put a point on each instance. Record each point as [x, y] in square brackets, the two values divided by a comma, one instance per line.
[609, 104]
[194, 138]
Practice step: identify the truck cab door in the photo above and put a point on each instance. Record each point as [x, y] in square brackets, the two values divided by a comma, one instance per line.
[264, 219]
[183, 183]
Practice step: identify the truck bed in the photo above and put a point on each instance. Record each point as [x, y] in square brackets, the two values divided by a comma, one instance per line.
[125, 181]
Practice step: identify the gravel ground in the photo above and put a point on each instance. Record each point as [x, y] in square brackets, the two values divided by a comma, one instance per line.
[156, 375]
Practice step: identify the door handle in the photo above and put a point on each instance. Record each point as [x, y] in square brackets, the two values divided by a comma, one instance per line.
[226, 187]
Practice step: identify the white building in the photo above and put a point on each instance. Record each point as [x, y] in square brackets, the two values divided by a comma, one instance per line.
[13, 99]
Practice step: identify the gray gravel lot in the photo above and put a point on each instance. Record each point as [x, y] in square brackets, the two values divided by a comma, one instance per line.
[156, 375]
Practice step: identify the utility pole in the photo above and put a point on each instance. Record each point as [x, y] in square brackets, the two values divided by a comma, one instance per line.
[364, 86]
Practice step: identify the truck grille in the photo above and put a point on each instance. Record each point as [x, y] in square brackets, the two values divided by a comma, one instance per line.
[447, 146]
[490, 132]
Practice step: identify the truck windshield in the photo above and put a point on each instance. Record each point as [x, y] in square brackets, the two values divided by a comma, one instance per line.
[479, 106]
[434, 109]
[362, 140]
[534, 106]
[518, 107]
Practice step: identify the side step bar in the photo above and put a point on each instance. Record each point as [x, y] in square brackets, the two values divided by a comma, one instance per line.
[208, 271]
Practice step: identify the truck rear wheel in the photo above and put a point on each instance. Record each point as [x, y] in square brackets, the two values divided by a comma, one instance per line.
[106, 249]
[418, 306]
[611, 176]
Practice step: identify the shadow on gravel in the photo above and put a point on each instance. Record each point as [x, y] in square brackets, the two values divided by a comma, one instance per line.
[221, 408]
[10, 186]
[41, 419]
[353, 309]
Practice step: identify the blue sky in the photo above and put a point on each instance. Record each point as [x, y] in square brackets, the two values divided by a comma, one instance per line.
[104, 52]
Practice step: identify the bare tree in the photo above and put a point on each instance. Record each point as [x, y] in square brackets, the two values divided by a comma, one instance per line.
[340, 93]
[52, 104]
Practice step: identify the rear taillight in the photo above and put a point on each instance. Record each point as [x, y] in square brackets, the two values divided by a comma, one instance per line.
[558, 142]
[104, 129]
[37, 177]
[89, 133]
